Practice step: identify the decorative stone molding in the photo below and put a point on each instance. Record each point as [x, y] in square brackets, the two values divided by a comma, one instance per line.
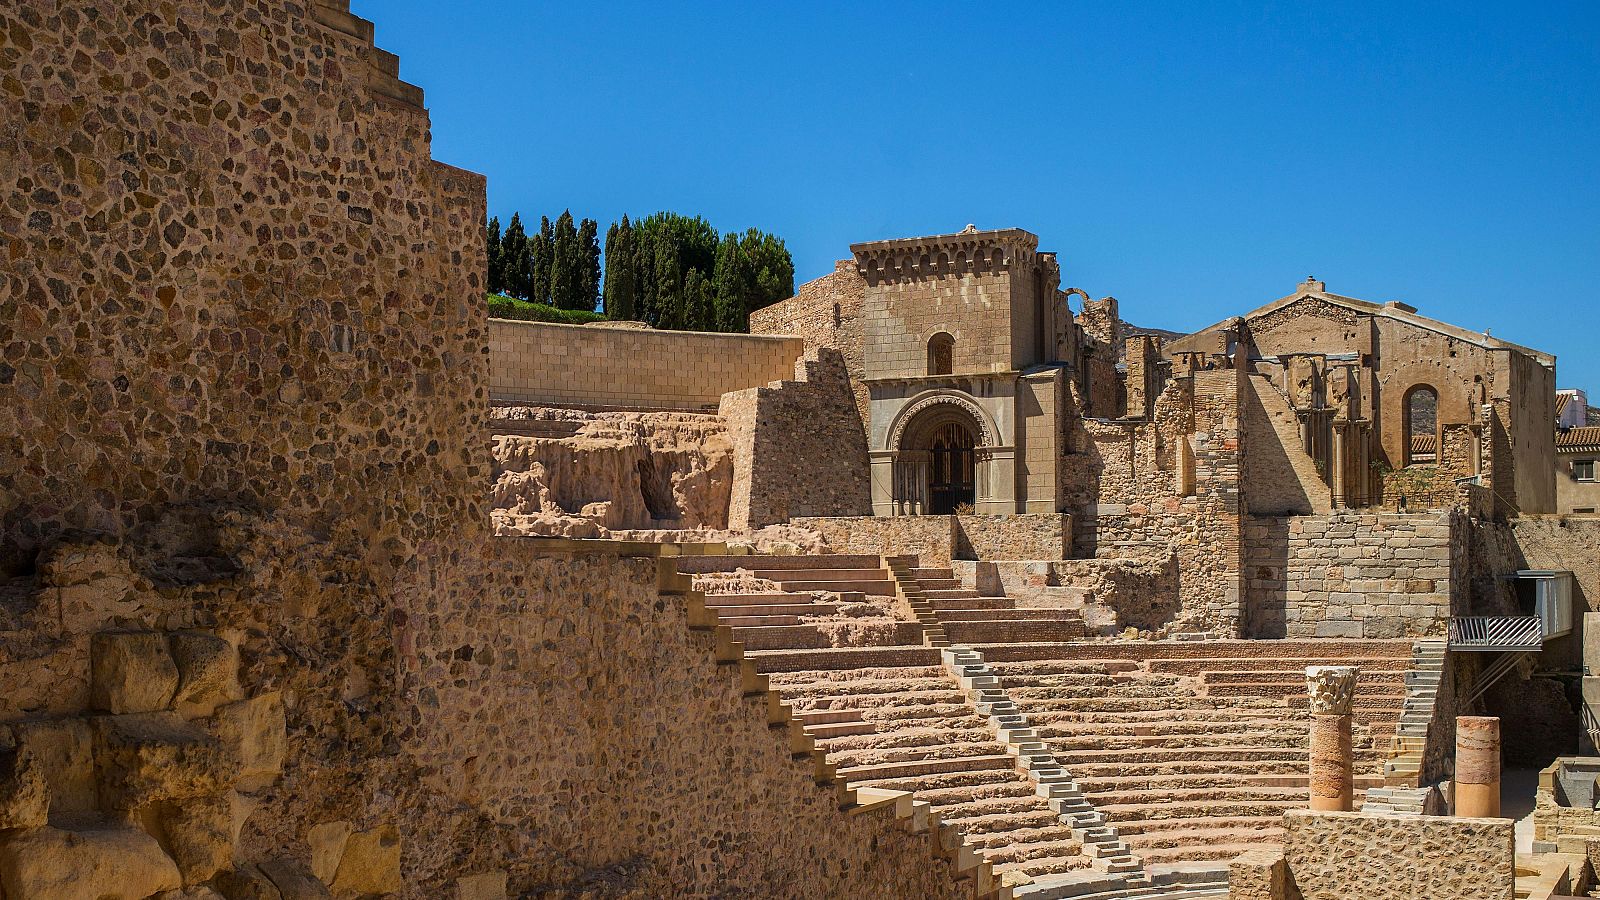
[1331, 688]
[967, 252]
[987, 433]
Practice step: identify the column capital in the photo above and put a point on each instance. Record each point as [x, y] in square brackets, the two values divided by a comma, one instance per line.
[1331, 688]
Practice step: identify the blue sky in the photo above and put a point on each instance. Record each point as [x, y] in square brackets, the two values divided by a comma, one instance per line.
[1194, 160]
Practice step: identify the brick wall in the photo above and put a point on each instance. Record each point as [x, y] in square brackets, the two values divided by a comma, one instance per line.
[1352, 574]
[798, 449]
[537, 362]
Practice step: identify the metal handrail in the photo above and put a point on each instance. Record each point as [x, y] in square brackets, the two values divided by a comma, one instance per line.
[1496, 633]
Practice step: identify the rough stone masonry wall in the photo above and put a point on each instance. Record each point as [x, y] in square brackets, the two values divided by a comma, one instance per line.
[1339, 856]
[243, 361]
[797, 450]
[826, 312]
[584, 365]
[1349, 575]
[1124, 480]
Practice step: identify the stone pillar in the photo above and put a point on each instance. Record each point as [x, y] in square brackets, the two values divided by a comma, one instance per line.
[1336, 467]
[1478, 767]
[1332, 762]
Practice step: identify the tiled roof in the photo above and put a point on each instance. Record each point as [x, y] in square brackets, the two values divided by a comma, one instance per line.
[1585, 438]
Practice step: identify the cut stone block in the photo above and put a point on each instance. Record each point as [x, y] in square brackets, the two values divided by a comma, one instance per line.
[371, 862]
[200, 836]
[64, 751]
[158, 756]
[327, 848]
[24, 795]
[104, 864]
[484, 886]
[131, 671]
[253, 730]
[208, 671]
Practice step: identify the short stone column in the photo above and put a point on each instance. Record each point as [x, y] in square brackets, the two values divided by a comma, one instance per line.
[1332, 761]
[1478, 767]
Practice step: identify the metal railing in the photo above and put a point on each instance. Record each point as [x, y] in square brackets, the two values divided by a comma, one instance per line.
[1487, 634]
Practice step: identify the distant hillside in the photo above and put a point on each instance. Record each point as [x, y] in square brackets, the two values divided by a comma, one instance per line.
[1131, 330]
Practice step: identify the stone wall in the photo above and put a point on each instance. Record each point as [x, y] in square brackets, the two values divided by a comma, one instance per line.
[798, 449]
[940, 539]
[243, 357]
[825, 312]
[1339, 856]
[1167, 492]
[1350, 574]
[584, 365]
[1033, 537]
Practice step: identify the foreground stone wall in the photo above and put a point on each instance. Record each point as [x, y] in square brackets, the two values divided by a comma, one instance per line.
[585, 365]
[940, 539]
[797, 450]
[1347, 575]
[243, 359]
[1338, 856]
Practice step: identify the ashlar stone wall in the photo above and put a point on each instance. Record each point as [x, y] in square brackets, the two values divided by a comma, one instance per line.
[1348, 575]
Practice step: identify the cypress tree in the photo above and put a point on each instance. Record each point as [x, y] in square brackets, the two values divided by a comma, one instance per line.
[496, 283]
[541, 256]
[566, 276]
[668, 282]
[732, 285]
[771, 270]
[621, 272]
[589, 264]
[514, 258]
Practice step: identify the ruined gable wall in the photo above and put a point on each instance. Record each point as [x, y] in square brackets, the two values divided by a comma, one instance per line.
[826, 312]
[586, 365]
[796, 448]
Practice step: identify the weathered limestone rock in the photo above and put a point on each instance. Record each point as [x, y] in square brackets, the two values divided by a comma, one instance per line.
[253, 730]
[293, 881]
[327, 848]
[89, 585]
[198, 892]
[102, 864]
[484, 886]
[24, 795]
[64, 751]
[158, 756]
[208, 671]
[133, 672]
[200, 836]
[371, 862]
[1477, 782]
[1331, 689]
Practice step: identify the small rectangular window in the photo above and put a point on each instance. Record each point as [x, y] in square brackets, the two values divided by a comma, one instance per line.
[1583, 469]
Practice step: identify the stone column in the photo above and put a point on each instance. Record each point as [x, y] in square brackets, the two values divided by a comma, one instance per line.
[1332, 764]
[1478, 766]
[1336, 467]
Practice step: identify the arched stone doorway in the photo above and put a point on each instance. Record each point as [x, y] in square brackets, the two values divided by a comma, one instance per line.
[940, 452]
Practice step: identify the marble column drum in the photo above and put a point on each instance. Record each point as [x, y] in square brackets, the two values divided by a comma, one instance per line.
[1477, 766]
[1331, 689]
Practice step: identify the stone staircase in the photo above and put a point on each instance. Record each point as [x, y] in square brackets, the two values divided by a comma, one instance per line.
[895, 719]
[1193, 750]
[1403, 769]
[956, 614]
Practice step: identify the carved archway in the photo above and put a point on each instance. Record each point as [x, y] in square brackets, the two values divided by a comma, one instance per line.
[988, 435]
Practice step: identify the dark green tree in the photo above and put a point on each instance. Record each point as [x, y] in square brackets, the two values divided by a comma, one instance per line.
[514, 258]
[497, 271]
[542, 256]
[566, 276]
[622, 282]
[589, 264]
[668, 281]
[732, 284]
[771, 268]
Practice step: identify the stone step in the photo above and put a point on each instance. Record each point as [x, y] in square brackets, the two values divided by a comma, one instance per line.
[870, 587]
[956, 593]
[930, 583]
[1297, 678]
[775, 598]
[727, 563]
[824, 731]
[840, 658]
[785, 576]
[1000, 630]
[1135, 831]
[777, 609]
[1307, 651]
[1195, 852]
[908, 768]
[973, 602]
[1203, 665]
[920, 572]
[737, 621]
[1018, 613]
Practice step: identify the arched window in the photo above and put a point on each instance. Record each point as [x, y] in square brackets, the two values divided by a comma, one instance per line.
[941, 354]
[1421, 412]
